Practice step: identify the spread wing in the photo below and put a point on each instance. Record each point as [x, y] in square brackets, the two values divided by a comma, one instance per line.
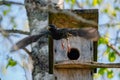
[26, 41]
[89, 33]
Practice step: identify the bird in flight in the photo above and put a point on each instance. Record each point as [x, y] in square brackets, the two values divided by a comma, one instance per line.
[89, 33]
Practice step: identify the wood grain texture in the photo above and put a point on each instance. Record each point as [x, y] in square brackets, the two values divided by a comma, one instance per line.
[73, 64]
[70, 70]
[73, 74]
[84, 47]
[68, 18]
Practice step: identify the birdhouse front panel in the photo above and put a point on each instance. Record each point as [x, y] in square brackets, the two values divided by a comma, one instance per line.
[74, 43]
[73, 48]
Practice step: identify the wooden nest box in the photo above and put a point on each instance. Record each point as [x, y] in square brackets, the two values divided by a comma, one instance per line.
[67, 57]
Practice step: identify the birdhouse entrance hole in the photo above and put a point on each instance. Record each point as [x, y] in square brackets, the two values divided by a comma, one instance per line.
[73, 54]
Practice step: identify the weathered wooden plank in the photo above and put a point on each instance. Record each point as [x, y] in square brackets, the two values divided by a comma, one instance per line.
[73, 74]
[86, 65]
[64, 20]
[69, 71]
[84, 47]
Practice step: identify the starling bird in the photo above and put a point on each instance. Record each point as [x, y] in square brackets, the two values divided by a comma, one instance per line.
[57, 34]
[89, 33]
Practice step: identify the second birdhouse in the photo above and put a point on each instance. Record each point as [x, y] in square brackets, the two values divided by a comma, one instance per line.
[67, 56]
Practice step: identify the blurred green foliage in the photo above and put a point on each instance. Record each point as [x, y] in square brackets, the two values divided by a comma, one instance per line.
[5, 12]
[112, 56]
[72, 2]
[11, 63]
[110, 74]
[102, 40]
[102, 71]
[96, 2]
[109, 8]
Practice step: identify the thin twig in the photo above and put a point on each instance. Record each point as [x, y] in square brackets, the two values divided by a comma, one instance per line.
[77, 3]
[116, 39]
[17, 31]
[114, 48]
[10, 2]
[109, 24]
[27, 51]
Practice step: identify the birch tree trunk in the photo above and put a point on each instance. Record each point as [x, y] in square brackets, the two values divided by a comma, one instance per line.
[38, 19]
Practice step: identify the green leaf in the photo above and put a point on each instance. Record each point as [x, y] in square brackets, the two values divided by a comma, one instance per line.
[119, 47]
[112, 57]
[11, 63]
[8, 5]
[105, 10]
[110, 74]
[67, 1]
[14, 26]
[73, 1]
[108, 50]
[5, 12]
[103, 40]
[101, 71]
[100, 1]
[114, 13]
[96, 2]
[117, 8]
[13, 22]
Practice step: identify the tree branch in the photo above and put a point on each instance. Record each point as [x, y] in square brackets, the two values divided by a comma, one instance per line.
[77, 3]
[117, 34]
[109, 24]
[89, 65]
[10, 2]
[17, 31]
[27, 51]
[114, 48]
[4, 32]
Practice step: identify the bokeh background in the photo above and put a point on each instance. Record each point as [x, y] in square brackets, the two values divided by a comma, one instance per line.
[13, 17]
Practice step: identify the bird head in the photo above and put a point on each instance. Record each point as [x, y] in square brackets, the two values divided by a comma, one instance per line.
[51, 28]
